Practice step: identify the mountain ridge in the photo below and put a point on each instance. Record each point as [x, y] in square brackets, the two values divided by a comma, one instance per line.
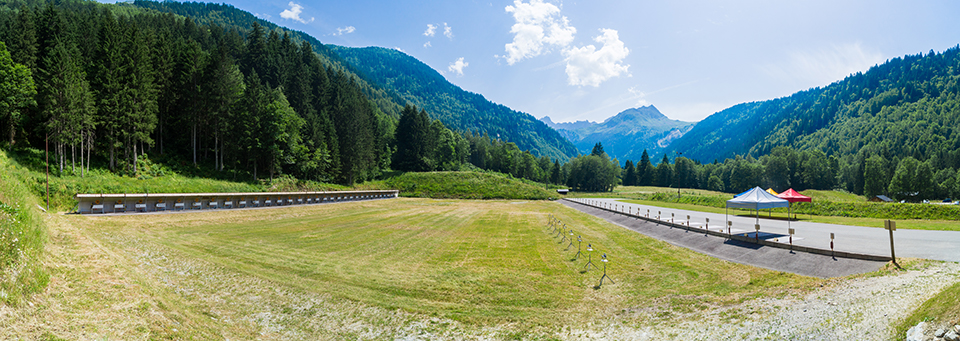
[625, 135]
[417, 83]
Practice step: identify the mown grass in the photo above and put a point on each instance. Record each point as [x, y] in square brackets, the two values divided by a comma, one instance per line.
[943, 308]
[22, 237]
[478, 262]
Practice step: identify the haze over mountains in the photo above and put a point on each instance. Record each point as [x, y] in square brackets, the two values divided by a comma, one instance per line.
[625, 135]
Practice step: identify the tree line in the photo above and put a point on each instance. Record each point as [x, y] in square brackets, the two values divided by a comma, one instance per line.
[784, 167]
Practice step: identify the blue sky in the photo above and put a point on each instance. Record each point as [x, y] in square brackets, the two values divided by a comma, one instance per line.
[589, 60]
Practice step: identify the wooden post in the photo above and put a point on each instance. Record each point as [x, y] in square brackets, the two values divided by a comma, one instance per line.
[891, 226]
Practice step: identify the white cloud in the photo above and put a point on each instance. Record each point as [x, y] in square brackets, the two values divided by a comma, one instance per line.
[293, 13]
[538, 26]
[589, 66]
[345, 30]
[447, 31]
[457, 66]
[825, 65]
[431, 30]
[427, 44]
[639, 95]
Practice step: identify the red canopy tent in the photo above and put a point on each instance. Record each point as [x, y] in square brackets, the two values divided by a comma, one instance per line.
[792, 196]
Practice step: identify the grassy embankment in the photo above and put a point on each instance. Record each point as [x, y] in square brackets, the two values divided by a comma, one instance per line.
[831, 207]
[943, 308]
[22, 237]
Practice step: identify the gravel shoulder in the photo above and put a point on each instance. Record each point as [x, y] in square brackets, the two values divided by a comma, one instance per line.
[863, 308]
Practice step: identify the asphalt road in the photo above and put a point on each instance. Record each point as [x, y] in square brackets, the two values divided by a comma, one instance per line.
[768, 257]
[937, 245]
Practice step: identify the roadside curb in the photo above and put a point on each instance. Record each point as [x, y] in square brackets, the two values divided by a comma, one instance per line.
[742, 238]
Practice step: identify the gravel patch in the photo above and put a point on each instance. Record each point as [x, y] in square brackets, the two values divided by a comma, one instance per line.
[858, 309]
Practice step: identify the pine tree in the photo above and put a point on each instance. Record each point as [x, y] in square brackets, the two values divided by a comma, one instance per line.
[629, 174]
[109, 83]
[645, 170]
[67, 100]
[597, 150]
[22, 37]
[16, 90]
[139, 93]
[411, 135]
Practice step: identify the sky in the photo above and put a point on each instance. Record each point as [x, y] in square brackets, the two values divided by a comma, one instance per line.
[589, 60]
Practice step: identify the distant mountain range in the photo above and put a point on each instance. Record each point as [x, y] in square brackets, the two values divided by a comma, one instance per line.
[626, 135]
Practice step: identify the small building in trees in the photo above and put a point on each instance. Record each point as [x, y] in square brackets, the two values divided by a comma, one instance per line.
[880, 198]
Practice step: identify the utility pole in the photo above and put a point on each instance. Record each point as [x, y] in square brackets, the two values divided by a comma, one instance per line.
[46, 156]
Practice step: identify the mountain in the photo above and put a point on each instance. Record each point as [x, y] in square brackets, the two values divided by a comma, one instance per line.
[415, 82]
[626, 135]
[391, 79]
[907, 106]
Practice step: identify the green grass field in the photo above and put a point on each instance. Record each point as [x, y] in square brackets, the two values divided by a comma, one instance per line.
[482, 263]
[456, 268]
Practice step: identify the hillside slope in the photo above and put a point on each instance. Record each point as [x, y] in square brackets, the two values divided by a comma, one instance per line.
[417, 83]
[626, 135]
[906, 106]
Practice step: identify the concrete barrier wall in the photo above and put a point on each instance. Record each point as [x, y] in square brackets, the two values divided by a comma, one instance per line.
[158, 202]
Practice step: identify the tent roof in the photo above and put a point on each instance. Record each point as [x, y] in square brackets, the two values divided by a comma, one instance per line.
[792, 196]
[771, 191]
[756, 199]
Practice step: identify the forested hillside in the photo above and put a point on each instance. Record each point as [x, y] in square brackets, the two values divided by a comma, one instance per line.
[115, 81]
[392, 79]
[233, 19]
[417, 83]
[115, 84]
[905, 109]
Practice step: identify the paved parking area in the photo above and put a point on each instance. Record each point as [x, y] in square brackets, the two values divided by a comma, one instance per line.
[739, 252]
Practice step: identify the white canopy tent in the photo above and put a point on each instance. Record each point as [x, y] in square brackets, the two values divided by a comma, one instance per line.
[756, 199]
